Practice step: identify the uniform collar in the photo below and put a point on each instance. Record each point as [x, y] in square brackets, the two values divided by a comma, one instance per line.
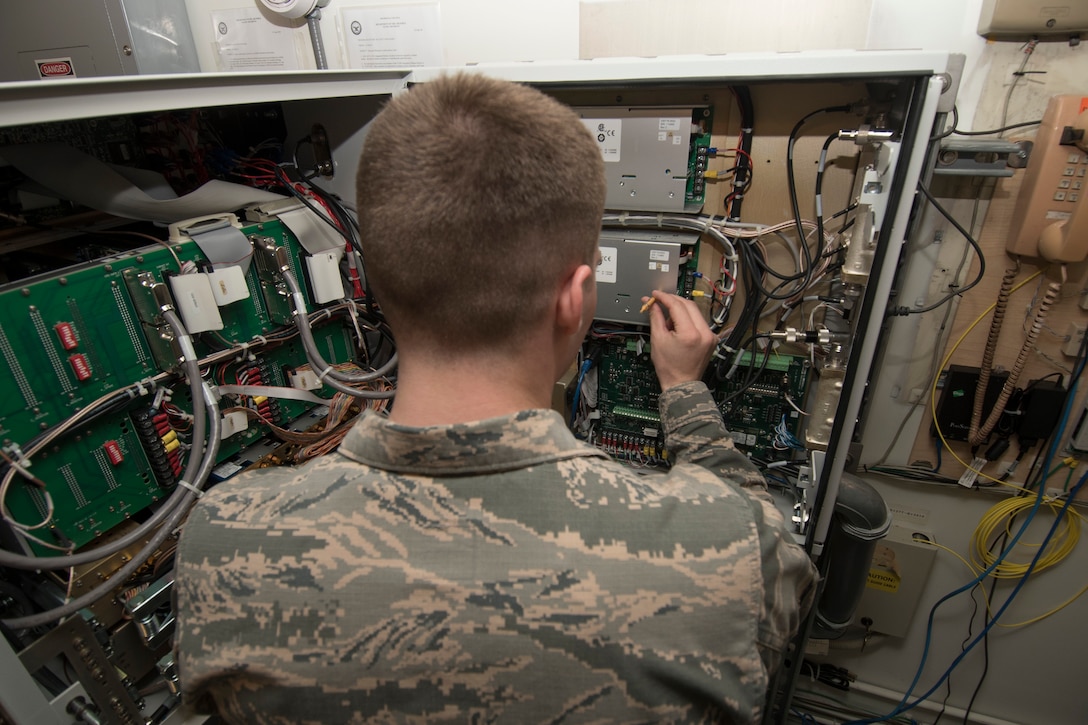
[526, 438]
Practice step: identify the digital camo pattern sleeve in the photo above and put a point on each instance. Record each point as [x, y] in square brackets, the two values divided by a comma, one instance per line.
[695, 434]
[566, 590]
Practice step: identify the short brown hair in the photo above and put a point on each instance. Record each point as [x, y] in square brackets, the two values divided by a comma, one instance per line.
[475, 196]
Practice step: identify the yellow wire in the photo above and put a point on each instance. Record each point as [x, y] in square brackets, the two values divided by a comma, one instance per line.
[1001, 515]
[999, 518]
[986, 599]
[969, 565]
[1041, 617]
[944, 364]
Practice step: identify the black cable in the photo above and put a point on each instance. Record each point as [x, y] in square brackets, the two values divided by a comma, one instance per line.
[742, 180]
[956, 121]
[985, 637]
[340, 212]
[970, 240]
[281, 174]
[791, 181]
[752, 303]
[997, 130]
[945, 134]
[294, 158]
[755, 260]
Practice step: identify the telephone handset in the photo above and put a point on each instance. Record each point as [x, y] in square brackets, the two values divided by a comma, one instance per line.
[1067, 241]
[1051, 219]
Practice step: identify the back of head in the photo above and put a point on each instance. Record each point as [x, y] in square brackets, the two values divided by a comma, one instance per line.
[476, 196]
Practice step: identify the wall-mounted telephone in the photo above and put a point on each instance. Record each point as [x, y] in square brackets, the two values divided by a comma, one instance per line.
[1050, 219]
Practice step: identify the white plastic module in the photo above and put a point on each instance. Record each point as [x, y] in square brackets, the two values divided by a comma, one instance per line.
[228, 285]
[325, 278]
[196, 302]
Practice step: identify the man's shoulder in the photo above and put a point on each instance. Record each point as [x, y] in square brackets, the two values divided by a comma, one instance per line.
[265, 495]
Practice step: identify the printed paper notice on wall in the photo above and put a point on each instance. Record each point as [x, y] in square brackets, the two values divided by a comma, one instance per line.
[393, 36]
[246, 40]
[607, 132]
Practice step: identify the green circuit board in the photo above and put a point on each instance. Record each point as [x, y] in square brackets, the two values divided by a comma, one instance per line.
[628, 391]
[70, 338]
[698, 154]
[753, 414]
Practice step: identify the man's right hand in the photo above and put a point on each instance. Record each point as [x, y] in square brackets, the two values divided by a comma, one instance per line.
[681, 342]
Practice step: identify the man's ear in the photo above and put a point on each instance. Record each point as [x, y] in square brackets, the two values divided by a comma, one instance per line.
[570, 304]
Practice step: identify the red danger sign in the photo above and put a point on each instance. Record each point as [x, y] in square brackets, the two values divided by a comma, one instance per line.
[56, 68]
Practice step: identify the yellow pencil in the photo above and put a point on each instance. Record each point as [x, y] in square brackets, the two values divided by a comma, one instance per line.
[647, 305]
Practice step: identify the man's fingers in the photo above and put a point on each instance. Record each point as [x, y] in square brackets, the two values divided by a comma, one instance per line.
[685, 315]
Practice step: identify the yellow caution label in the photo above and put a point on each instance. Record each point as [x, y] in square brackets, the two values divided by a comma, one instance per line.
[884, 580]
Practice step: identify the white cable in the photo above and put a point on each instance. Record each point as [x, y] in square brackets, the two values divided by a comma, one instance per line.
[272, 391]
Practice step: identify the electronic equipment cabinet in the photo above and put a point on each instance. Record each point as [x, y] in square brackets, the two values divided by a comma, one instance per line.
[876, 110]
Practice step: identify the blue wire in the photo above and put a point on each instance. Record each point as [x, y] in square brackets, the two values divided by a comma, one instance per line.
[902, 706]
[578, 390]
[939, 446]
[1015, 591]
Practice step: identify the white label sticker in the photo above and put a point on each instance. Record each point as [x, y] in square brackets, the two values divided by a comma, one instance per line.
[662, 135]
[661, 255]
[607, 132]
[606, 270]
[670, 124]
[653, 266]
[1058, 215]
[226, 470]
[55, 68]
[676, 140]
[664, 267]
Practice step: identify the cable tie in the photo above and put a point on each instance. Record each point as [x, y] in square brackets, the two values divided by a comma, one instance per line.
[321, 375]
[261, 338]
[185, 484]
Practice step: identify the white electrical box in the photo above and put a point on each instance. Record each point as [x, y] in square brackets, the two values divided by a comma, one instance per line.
[901, 565]
[48, 39]
[1007, 19]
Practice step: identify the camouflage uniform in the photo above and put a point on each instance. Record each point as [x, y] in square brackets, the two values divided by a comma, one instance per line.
[496, 570]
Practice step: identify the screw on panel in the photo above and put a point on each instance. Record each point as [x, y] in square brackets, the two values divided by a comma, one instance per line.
[126, 49]
[26, 291]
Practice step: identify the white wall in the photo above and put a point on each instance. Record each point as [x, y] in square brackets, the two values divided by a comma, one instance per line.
[473, 31]
[675, 27]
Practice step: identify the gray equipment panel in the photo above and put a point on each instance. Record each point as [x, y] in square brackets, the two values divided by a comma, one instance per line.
[645, 151]
[633, 264]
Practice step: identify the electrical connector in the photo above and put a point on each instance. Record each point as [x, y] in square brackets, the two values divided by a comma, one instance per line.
[821, 336]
